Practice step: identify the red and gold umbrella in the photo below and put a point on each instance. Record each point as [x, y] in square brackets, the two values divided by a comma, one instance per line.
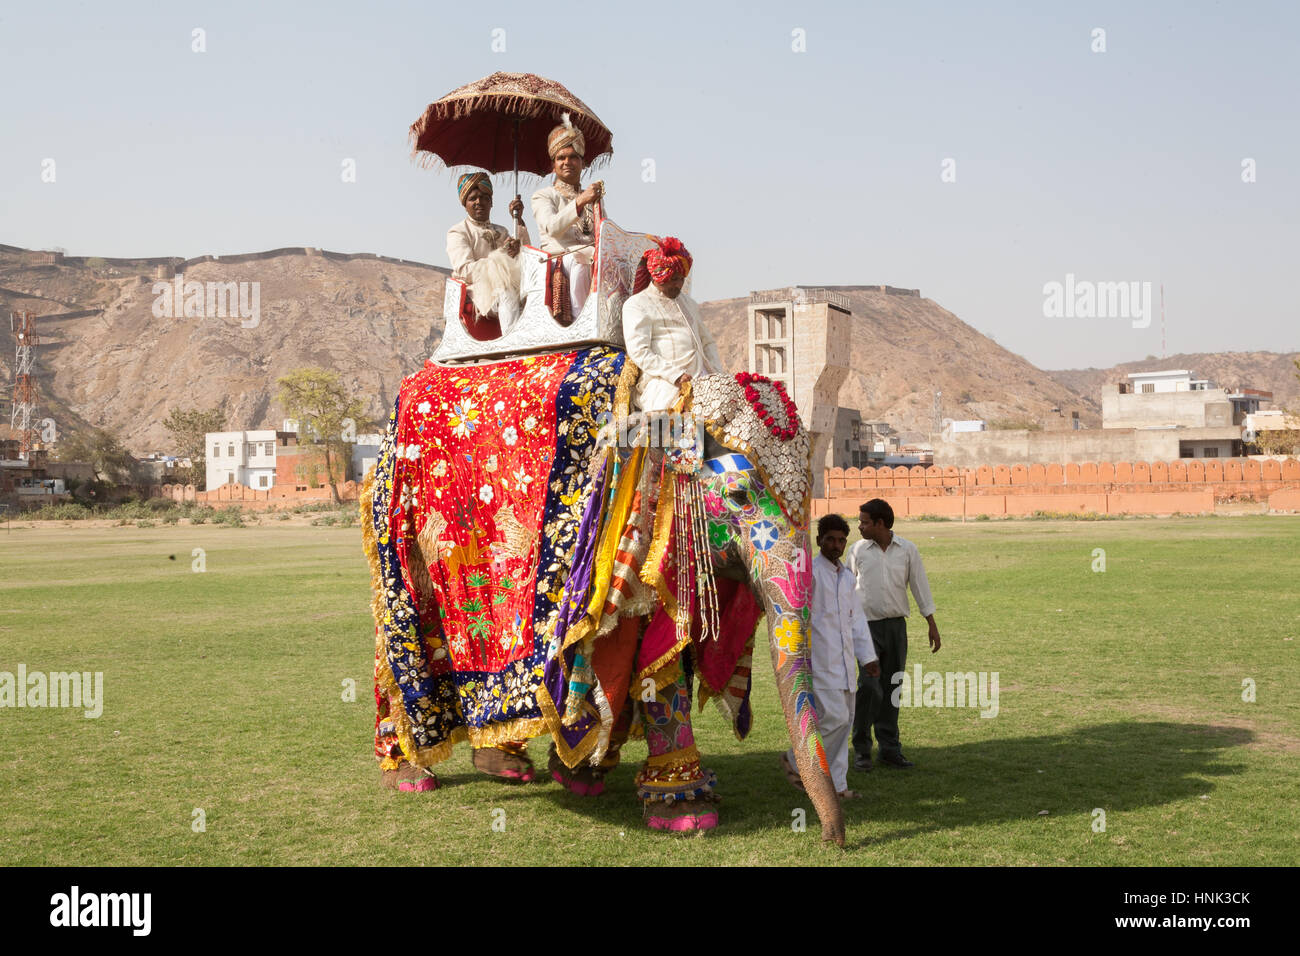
[501, 123]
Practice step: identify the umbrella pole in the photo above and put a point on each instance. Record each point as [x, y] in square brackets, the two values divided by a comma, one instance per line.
[519, 219]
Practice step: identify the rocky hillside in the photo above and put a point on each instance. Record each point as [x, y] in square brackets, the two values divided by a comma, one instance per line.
[107, 360]
[122, 368]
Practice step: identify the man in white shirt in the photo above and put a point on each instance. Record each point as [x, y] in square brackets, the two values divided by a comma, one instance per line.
[484, 254]
[566, 213]
[662, 331]
[886, 566]
[839, 636]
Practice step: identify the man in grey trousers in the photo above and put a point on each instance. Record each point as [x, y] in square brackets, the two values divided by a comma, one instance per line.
[885, 565]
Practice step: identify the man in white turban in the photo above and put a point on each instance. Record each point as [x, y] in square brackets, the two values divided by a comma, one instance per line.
[566, 215]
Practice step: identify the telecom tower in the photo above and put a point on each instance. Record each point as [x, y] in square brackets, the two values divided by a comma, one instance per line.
[23, 417]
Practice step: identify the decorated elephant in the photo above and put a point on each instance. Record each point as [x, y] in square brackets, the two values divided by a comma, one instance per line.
[533, 576]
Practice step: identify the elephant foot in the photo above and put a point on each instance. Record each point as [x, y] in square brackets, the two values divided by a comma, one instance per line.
[585, 781]
[508, 761]
[678, 797]
[409, 778]
[682, 817]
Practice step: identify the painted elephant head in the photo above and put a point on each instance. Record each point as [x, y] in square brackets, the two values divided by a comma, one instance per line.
[756, 484]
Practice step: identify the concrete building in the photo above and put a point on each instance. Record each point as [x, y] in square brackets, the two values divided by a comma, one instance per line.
[800, 337]
[247, 458]
[880, 440]
[34, 480]
[1154, 416]
[1175, 400]
[1200, 419]
[365, 454]
[266, 458]
[846, 446]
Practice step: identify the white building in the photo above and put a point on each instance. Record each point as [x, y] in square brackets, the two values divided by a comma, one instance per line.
[1200, 419]
[246, 458]
[365, 453]
[1179, 380]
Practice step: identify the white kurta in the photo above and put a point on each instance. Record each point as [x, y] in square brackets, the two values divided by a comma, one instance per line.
[840, 640]
[840, 637]
[468, 241]
[558, 220]
[493, 280]
[666, 339]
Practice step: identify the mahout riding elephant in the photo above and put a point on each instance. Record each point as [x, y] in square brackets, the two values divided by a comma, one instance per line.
[533, 576]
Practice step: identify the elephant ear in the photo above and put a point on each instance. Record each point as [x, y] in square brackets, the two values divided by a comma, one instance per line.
[753, 415]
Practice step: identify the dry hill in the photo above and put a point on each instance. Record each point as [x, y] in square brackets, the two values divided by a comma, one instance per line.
[372, 320]
[107, 361]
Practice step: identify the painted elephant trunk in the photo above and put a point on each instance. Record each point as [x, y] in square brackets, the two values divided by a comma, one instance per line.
[793, 666]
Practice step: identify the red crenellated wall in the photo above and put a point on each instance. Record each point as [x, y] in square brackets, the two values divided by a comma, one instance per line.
[1189, 485]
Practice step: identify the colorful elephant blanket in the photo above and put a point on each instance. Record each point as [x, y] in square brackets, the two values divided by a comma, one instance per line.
[492, 508]
[475, 500]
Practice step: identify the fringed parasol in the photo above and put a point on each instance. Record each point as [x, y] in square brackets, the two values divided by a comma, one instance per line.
[501, 122]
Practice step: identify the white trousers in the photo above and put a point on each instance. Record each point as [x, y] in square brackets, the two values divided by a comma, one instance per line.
[577, 266]
[835, 723]
[507, 309]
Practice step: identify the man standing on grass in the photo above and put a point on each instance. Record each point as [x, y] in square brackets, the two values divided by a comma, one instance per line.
[886, 566]
[839, 637]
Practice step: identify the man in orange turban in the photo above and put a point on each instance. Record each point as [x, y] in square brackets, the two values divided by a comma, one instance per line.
[662, 330]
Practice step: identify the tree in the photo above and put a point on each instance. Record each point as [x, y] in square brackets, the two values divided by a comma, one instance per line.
[189, 428]
[327, 415]
[1286, 440]
[111, 464]
[1277, 441]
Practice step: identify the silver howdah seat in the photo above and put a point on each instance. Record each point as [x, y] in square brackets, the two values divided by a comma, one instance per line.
[599, 323]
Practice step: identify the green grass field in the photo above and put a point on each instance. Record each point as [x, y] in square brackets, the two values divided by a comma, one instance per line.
[1120, 690]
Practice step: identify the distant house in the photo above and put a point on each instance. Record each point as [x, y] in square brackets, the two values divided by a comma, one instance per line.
[266, 458]
[365, 453]
[1153, 416]
[1206, 421]
[243, 458]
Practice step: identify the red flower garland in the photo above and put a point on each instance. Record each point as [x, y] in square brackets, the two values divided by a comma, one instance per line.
[765, 416]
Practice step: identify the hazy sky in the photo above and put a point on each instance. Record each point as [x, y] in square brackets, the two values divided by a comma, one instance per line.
[775, 165]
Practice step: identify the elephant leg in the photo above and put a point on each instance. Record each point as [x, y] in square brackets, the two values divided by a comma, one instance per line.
[508, 760]
[676, 793]
[395, 771]
[586, 780]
